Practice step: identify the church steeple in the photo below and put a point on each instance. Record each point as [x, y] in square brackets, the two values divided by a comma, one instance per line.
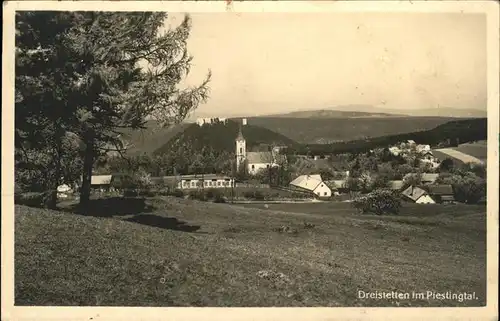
[241, 149]
[240, 135]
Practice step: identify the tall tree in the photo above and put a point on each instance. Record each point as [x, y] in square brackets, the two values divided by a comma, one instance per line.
[113, 70]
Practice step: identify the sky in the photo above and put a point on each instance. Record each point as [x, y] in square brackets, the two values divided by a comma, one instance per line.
[265, 63]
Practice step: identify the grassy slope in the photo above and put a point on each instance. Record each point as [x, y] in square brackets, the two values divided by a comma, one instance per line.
[67, 259]
[344, 129]
[478, 150]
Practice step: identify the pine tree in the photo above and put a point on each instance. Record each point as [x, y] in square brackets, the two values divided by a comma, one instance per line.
[108, 71]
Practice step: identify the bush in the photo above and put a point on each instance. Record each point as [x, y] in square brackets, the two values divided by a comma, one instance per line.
[379, 202]
[212, 193]
[130, 193]
[258, 195]
[219, 198]
[197, 195]
[177, 193]
[254, 195]
[33, 199]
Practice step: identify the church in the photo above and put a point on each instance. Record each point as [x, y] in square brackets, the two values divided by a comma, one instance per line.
[255, 161]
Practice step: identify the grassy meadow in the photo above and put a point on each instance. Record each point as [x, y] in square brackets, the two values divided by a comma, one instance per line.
[176, 252]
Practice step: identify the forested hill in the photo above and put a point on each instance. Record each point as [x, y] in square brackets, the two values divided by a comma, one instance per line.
[149, 139]
[461, 131]
[221, 137]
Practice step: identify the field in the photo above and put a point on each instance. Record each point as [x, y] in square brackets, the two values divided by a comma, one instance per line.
[322, 131]
[176, 252]
[464, 153]
[478, 150]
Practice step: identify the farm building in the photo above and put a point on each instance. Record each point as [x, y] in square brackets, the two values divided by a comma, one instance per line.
[101, 182]
[313, 184]
[423, 148]
[64, 190]
[200, 181]
[441, 193]
[396, 185]
[417, 195]
[394, 150]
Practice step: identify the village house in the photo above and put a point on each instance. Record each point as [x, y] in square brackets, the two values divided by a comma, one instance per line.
[395, 185]
[423, 148]
[64, 190]
[199, 181]
[101, 183]
[313, 184]
[442, 194]
[417, 195]
[427, 157]
[395, 150]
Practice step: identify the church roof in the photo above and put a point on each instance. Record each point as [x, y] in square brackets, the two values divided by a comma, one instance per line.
[240, 135]
[259, 157]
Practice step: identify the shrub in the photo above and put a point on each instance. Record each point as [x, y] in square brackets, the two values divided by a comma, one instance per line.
[258, 195]
[177, 193]
[33, 199]
[211, 193]
[130, 193]
[467, 187]
[219, 198]
[379, 202]
[248, 194]
[197, 195]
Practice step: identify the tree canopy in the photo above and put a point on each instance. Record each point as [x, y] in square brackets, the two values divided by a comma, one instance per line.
[88, 75]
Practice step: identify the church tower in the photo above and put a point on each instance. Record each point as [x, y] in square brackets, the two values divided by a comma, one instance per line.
[241, 150]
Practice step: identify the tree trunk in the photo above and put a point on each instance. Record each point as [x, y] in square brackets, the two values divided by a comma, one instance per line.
[51, 198]
[88, 162]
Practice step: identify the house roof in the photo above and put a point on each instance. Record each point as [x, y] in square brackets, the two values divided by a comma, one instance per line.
[429, 177]
[396, 185]
[414, 193]
[440, 189]
[447, 198]
[101, 179]
[259, 157]
[308, 182]
[204, 176]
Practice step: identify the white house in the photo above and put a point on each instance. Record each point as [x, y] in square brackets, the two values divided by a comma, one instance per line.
[394, 150]
[64, 190]
[313, 184]
[417, 195]
[255, 160]
[200, 181]
[423, 148]
[101, 182]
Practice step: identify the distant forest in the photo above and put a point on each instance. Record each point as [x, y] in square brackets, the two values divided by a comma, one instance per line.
[449, 134]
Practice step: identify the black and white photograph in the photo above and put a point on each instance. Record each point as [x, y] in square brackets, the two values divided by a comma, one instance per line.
[251, 158]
